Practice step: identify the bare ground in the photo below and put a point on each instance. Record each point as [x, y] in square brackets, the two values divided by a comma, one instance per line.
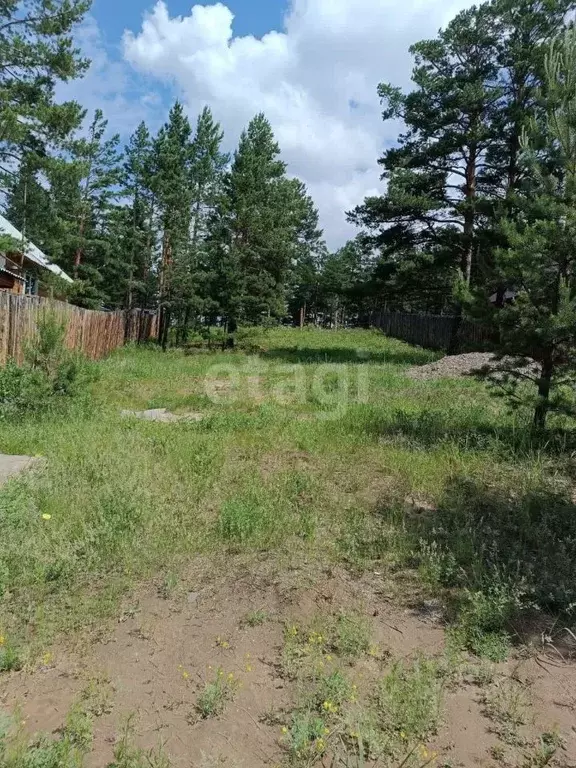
[167, 641]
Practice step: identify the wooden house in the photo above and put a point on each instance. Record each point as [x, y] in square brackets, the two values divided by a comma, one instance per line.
[22, 269]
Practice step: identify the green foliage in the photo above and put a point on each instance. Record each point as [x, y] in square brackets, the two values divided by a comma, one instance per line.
[256, 618]
[127, 755]
[305, 737]
[9, 657]
[508, 550]
[410, 697]
[458, 167]
[217, 694]
[350, 635]
[67, 750]
[37, 52]
[50, 375]
[540, 256]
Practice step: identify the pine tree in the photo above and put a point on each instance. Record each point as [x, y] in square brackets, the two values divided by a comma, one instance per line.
[309, 251]
[137, 283]
[84, 186]
[36, 52]
[192, 273]
[458, 165]
[260, 222]
[540, 260]
[432, 198]
[172, 187]
[29, 205]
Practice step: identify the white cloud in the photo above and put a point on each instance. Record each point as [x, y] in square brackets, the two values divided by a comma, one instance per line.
[315, 81]
[109, 84]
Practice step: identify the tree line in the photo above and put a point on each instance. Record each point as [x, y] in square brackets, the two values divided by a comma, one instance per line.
[477, 217]
[170, 221]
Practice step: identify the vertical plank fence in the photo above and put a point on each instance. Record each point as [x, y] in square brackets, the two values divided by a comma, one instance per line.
[93, 333]
[433, 331]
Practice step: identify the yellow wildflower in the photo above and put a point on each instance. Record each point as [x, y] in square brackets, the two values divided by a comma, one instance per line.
[320, 745]
[403, 736]
[185, 675]
[326, 731]
[230, 677]
[248, 668]
[328, 658]
[284, 730]
[46, 516]
[329, 706]
[2, 640]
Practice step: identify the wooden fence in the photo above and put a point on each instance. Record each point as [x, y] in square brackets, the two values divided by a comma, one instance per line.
[433, 331]
[95, 334]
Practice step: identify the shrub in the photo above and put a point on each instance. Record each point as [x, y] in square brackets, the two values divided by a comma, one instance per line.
[49, 376]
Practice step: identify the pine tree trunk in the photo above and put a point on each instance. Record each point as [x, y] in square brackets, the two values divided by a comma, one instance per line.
[164, 328]
[469, 215]
[78, 254]
[544, 385]
[231, 328]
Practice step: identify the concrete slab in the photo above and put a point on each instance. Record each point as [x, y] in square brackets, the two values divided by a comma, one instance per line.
[10, 466]
[162, 414]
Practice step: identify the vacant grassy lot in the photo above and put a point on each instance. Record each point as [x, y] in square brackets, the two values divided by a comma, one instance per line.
[309, 450]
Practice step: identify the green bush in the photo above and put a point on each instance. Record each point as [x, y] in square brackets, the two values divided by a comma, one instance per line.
[49, 376]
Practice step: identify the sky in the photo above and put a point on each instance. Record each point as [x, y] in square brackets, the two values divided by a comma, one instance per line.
[312, 66]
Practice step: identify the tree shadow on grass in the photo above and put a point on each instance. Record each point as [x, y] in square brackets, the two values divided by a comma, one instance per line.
[346, 355]
[509, 547]
[428, 428]
[503, 555]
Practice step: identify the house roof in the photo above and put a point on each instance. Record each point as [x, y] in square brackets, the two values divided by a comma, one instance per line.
[31, 251]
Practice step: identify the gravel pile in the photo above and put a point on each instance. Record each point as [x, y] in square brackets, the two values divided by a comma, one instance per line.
[452, 366]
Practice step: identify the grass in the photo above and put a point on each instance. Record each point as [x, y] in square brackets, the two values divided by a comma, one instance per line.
[217, 693]
[351, 711]
[314, 461]
[255, 618]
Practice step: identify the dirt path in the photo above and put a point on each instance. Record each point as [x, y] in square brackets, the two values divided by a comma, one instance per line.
[167, 643]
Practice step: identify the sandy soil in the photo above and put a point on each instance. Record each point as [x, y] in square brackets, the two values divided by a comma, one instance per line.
[154, 660]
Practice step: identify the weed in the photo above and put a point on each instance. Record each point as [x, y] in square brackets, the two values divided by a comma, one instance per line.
[305, 739]
[49, 374]
[350, 635]
[128, 755]
[9, 657]
[255, 618]
[544, 751]
[507, 706]
[167, 587]
[216, 694]
[68, 750]
[120, 501]
[410, 698]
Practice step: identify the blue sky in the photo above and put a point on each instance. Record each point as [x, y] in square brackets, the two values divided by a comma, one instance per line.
[312, 66]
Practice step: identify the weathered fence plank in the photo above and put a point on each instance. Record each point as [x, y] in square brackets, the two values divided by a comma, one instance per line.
[432, 331]
[93, 333]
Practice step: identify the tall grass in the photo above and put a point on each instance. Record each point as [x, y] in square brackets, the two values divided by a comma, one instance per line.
[120, 499]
